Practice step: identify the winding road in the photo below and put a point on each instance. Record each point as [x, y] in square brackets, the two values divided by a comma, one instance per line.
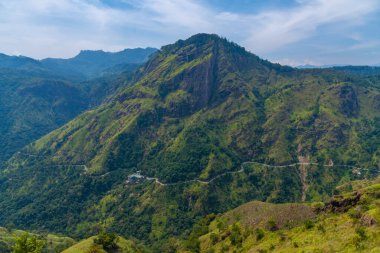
[242, 169]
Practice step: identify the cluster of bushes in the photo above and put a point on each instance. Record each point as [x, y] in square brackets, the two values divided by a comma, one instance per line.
[27, 243]
[107, 240]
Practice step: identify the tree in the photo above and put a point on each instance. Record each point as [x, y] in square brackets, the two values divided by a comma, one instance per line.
[4, 248]
[107, 240]
[27, 243]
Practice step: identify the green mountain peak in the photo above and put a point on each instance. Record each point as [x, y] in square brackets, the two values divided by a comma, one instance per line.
[202, 127]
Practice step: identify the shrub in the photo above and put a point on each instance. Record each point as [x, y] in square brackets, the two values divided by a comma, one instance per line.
[221, 225]
[4, 247]
[94, 249]
[224, 248]
[214, 238]
[192, 244]
[359, 237]
[211, 250]
[283, 237]
[355, 213]
[309, 224]
[271, 225]
[247, 232]
[170, 246]
[107, 240]
[236, 238]
[259, 234]
[27, 243]
[321, 228]
[360, 231]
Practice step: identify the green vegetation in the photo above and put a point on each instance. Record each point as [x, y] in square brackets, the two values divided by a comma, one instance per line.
[107, 240]
[37, 97]
[342, 225]
[89, 246]
[27, 243]
[200, 109]
[12, 240]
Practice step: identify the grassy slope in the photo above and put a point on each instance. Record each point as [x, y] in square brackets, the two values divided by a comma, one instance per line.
[352, 230]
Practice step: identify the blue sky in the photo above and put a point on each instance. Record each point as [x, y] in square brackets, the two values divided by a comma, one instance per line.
[293, 32]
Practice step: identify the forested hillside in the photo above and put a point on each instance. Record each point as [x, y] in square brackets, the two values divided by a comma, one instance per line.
[36, 97]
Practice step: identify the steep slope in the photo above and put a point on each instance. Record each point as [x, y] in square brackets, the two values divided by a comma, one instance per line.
[175, 146]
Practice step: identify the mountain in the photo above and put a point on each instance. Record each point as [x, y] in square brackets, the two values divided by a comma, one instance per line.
[203, 127]
[90, 64]
[356, 70]
[86, 65]
[36, 97]
[360, 70]
[17, 62]
[309, 66]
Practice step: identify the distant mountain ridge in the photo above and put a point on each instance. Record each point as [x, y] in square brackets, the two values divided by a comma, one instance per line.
[86, 65]
[90, 64]
[18, 62]
[373, 69]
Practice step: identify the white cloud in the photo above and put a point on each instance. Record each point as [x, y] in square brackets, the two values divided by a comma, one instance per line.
[180, 14]
[295, 62]
[365, 45]
[275, 29]
[42, 28]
